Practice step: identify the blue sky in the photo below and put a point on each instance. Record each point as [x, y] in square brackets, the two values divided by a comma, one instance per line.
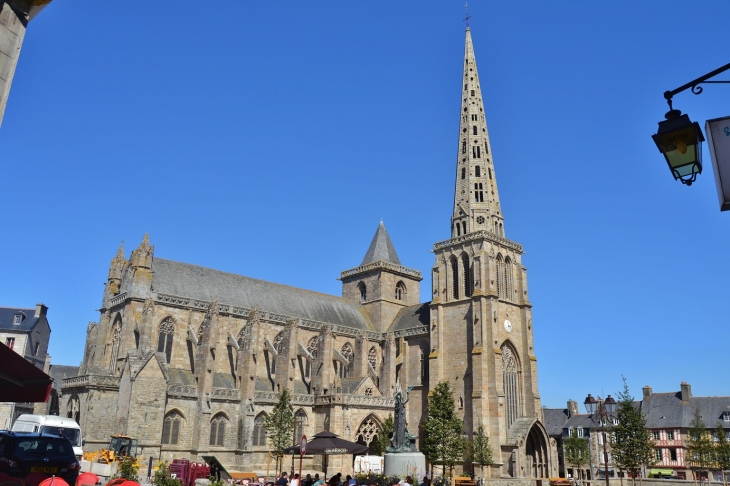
[270, 139]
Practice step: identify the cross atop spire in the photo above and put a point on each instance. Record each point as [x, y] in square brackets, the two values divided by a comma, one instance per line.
[466, 19]
[476, 200]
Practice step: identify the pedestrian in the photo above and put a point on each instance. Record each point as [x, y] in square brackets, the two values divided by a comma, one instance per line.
[350, 481]
[282, 481]
[317, 480]
[295, 480]
[308, 481]
[425, 482]
[408, 481]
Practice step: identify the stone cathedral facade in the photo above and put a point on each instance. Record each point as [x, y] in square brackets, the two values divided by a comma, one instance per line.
[188, 360]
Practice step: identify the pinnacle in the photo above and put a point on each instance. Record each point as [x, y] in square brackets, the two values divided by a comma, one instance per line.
[381, 248]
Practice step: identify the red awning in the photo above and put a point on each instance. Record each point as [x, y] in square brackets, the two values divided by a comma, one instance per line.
[20, 381]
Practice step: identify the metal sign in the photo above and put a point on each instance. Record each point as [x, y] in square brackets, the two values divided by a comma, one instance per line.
[303, 445]
[336, 450]
[718, 141]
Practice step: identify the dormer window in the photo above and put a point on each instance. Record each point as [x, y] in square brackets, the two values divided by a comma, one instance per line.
[726, 416]
[17, 319]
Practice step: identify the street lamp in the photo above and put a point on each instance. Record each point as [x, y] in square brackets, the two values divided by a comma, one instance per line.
[679, 139]
[604, 411]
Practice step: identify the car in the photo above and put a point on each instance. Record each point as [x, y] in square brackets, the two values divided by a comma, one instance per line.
[24, 453]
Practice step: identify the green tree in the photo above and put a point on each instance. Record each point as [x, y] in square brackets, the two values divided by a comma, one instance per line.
[481, 450]
[576, 452]
[127, 468]
[280, 426]
[382, 440]
[722, 451]
[631, 443]
[699, 445]
[162, 476]
[443, 430]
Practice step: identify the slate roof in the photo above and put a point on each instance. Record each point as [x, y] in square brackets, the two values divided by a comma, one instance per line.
[664, 410]
[554, 420]
[410, 317]
[59, 372]
[223, 380]
[7, 315]
[186, 280]
[181, 377]
[381, 248]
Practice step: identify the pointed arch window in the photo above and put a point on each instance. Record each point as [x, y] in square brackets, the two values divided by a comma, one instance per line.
[301, 423]
[500, 272]
[373, 357]
[479, 152]
[478, 192]
[458, 228]
[463, 173]
[467, 272]
[400, 291]
[463, 146]
[507, 279]
[475, 130]
[346, 370]
[171, 428]
[363, 291]
[218, 430]
[463, 226]
[116, 341]
[510, 379]
[454, 278]
[477, 171]
[259, 431]
[165, 337]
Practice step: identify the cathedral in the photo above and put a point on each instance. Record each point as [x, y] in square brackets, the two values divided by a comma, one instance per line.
[188, 360]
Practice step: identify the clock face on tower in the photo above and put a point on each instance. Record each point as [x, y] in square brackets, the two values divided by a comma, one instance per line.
[507, 326]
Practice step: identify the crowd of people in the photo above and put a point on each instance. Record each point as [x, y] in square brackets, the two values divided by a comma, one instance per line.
[335, 480]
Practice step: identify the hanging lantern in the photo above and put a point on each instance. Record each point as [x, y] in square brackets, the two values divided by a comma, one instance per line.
[680, 140]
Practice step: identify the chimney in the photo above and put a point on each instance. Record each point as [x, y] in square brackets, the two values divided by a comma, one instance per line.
[686, 392]
[40, 310]
[647, 392]
[572, 408]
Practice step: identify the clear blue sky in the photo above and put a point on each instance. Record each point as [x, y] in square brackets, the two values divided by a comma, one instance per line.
[269, 139]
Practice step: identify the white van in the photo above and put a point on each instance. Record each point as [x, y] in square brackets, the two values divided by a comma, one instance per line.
[52, 424]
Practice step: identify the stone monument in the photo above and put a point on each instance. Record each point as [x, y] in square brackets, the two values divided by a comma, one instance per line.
[402, 457]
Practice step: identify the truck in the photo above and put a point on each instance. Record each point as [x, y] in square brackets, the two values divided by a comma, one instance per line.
[52, 424]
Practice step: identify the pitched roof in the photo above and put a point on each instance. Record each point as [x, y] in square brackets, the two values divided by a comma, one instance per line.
[192, 281]
[7, 315]
[554, 420]
[381, 248]
[59, 372]
[667, 410]
[410, 317]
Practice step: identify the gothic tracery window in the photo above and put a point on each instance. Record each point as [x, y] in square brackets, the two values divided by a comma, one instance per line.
[510, 379]
[244, 336]
[346, 370]
[400, 291]
[218, 430]
[171, 428]
[259, 431]
[373, 357]
[166, 334]
[116, 341]
[454, 278]
[368, 431]
[301, 422]
[277, 341]
[313, 346]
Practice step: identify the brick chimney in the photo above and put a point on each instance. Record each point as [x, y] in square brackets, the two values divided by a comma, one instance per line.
[572, 408]
[686, 392]
[647, 392]
[40, 310]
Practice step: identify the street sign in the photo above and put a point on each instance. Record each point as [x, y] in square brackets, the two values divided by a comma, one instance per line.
[718, 141]
[303, 445]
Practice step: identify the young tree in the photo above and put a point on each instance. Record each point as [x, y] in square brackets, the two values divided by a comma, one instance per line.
[699, 445]
[576, 451]
[631, 444]
[443, 430]
[280, 426]
[383, 438]
[722, 451]
[481, 450]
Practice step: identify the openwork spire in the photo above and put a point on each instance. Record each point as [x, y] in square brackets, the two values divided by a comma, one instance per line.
[476, 200]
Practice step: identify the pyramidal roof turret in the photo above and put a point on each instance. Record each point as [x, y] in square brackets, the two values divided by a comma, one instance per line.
[381, 248]
[476, 199]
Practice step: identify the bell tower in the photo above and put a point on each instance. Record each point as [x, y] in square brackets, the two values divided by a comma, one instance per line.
[480, 315]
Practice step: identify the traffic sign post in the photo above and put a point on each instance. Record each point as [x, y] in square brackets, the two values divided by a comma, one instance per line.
[302, 451]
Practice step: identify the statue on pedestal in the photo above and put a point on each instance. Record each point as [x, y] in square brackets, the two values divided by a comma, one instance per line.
[401, 440]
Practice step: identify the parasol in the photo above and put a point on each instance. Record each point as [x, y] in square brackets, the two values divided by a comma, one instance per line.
[327, 443]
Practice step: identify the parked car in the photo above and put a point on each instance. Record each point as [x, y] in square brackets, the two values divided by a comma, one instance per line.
[52, 424]
[23, 453]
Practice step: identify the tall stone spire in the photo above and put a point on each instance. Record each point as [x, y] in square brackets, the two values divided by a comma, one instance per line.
[476, 200]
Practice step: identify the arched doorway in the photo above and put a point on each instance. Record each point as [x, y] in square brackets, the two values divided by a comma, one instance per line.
[536, 453]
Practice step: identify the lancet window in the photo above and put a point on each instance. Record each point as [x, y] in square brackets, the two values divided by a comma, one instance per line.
[400, 291]
[510, 379]
[171, 428]
[301, 423]
[218, 430]
[346, 370]
[363, 291]
[373, 357]
[116, 341]
[454, 278]
[468, 275]
[259, 431]
[165, 337]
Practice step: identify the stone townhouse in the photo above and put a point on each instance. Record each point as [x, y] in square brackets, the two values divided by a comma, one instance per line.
[188, 360]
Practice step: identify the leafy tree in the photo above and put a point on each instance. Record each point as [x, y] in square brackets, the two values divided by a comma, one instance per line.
[631, 444]
[128, 468]
[279, 426]
[443, 430]
[699, 445]
[722, 451]
[162, 476]
[576, 451]
[481, 450]
[383, 438]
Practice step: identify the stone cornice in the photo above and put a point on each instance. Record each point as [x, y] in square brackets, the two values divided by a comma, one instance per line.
[91, 381]
[479, 235]
[383, 265]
